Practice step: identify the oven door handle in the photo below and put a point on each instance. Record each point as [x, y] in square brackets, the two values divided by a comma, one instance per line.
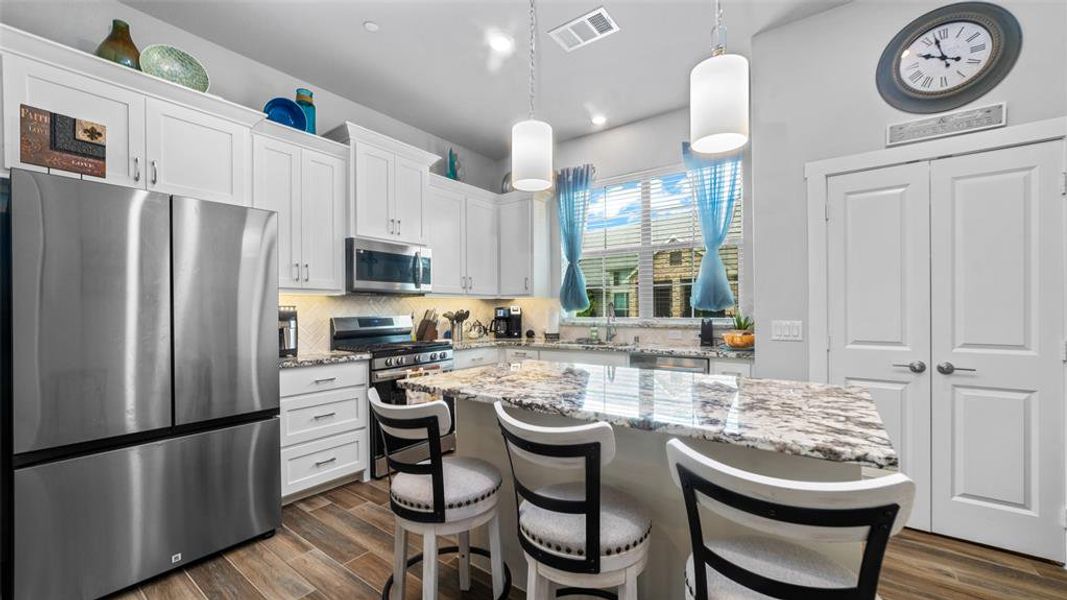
[402, 373]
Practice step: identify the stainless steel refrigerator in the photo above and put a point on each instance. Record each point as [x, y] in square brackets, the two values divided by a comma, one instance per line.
[138, 422]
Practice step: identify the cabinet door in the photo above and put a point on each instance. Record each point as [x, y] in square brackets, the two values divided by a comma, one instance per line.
[375, 171]
[194, 154]
[516, 248]
[482, 247]
[120, 110]
[445, 235]
[322, 221]
[410, 190]
[276, 186]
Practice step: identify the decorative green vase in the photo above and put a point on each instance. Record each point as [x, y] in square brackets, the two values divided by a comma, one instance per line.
[119, 47]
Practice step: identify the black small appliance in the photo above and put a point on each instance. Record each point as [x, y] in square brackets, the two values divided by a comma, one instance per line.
[287, 338]
[507, 322]
[707, 332]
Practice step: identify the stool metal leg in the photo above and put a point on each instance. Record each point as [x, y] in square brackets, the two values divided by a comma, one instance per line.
[496, 558]
[464, 560]
[429, 565]
[400, 557]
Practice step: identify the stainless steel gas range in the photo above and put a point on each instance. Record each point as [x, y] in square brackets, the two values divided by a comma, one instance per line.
[393, 357]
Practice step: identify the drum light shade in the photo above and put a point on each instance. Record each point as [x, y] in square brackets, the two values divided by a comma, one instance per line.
[531, 156]
[718, 104]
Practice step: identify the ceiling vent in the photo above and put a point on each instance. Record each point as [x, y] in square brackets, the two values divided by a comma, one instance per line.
[584, 30]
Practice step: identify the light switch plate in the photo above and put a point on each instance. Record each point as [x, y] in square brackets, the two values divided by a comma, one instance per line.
[787, 331]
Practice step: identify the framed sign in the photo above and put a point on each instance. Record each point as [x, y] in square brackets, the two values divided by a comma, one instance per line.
[57, 141]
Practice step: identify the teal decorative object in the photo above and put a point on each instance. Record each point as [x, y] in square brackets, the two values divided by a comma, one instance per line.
[173, 64]
[453, 165]
[305, 99]
[118, 46]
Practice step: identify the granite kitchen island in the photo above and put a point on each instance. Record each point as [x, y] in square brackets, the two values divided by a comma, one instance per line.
[790, 429]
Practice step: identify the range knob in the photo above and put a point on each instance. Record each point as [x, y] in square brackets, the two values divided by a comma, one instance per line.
[433, 356]
[401, 360]
[388, 362]
[417, 358]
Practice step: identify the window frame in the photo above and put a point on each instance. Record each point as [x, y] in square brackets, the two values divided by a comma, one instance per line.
[646, 251]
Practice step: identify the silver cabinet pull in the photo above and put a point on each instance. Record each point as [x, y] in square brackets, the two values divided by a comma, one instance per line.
[155, 173]
[526, 283]
[296, 277]
[947, 368]
[307, 272]
[319, 463]
[398, 226]
[915, 366]
[392, 225]
[136, 168]
[325, 380]
[324, 415]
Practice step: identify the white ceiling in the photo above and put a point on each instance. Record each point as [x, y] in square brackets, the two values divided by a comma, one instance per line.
[429, 64]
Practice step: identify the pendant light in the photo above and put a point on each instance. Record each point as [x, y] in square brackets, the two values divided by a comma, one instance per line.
[531, 140]
[718, 97]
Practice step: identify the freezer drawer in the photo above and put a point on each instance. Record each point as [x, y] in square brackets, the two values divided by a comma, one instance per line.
[90, 271]
[225, 310]
[92, 525]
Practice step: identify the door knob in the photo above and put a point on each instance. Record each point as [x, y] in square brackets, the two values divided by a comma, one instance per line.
[915, 366]
[947, 368]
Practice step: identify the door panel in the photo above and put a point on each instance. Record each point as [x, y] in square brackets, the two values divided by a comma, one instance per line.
[90, 310]
[322, 221]
[225, 308]
[374, 192]
[444, 210]
[516, 247]
[410, 189]
[879, 277]
[997, 307]
[276, 186]
[482, 247]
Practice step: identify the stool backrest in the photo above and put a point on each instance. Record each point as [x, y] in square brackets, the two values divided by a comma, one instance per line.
[586, 447]
[867, 511]
[403, 423]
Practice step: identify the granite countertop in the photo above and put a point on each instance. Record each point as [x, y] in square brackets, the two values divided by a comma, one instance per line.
[541, 344]
[839, 424]
[321, 358]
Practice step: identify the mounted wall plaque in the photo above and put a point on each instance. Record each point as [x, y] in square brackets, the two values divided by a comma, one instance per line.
[955, 123]
[60, 142]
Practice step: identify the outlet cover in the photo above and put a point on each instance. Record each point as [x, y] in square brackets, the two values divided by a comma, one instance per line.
[787, 331]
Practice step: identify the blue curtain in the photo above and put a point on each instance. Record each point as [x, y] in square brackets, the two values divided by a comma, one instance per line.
[715, 181]
[572, 200]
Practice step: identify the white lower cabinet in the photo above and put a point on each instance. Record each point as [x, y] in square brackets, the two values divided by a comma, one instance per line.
[324, 419]
[596, 357]
[741, 368]
[520, 354]
[475, 357]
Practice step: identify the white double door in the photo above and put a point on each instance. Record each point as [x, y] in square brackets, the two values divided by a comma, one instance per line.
[946, 299]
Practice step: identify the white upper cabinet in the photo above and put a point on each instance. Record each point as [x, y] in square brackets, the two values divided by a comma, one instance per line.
[305, 185]
[482, 248]
[57, 90]
[196, 154]
[389, 185]
[445, 234]
[524, 245]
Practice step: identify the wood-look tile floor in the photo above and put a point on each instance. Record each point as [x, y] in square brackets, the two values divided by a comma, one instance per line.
[339, 545]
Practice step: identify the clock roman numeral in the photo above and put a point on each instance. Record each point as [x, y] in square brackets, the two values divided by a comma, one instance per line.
[943, 33]
[916, 76]
[944, 81]
[973, 61]
[977, 48]
[926, 82]
[960, 73]
[973, 36]
[913, 65]
[927, 42]
[960, 32]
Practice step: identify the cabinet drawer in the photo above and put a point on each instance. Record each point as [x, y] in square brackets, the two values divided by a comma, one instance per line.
[517, 355]
[741, 368]
[313, 463]
[303, 380]
[321, 414]
[592, 357]
[475, 357]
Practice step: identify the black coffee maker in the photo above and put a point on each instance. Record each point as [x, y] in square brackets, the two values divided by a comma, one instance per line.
[507, 322]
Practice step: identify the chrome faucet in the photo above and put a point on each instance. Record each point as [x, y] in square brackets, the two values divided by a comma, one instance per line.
[612, 330]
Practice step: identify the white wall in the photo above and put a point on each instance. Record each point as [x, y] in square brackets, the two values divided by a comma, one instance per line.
[83, 24]
[814, 97]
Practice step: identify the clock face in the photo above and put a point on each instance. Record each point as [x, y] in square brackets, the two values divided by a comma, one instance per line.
[946, 57]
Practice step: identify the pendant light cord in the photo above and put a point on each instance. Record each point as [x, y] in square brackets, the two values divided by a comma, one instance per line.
[718, 34]
[533, 53]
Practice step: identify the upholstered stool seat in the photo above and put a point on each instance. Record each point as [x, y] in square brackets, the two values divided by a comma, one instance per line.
[470, 484]
[771, 557]
[624, 523]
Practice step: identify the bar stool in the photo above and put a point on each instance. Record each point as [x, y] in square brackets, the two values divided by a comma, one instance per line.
[578, 537]
[439, 496]
[759, 565]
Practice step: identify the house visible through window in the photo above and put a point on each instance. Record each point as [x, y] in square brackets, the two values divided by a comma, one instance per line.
[642, 248]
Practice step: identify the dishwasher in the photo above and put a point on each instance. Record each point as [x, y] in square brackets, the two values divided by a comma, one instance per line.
[662, 362]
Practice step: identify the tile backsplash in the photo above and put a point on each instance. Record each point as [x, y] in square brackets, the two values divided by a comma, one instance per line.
[314, 312]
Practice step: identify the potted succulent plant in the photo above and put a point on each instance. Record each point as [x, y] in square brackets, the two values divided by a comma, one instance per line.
[741, 336]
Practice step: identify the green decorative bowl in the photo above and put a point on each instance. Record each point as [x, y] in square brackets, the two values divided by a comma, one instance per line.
[172, 64]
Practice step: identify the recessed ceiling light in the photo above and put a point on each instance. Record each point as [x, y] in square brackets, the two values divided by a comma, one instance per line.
[500, 42]
[598, 119]
[371, 26]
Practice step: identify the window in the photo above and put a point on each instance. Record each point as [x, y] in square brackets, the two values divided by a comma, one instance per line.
[642, 248]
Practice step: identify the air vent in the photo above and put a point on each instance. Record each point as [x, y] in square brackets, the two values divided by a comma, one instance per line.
[584, 30]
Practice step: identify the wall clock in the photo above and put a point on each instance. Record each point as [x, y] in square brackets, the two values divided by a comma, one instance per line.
[949, 57]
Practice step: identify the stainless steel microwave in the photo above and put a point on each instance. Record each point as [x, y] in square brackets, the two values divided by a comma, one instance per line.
[387, 267]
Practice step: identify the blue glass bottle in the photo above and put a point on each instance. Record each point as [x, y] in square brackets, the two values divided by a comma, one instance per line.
[305, 99]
